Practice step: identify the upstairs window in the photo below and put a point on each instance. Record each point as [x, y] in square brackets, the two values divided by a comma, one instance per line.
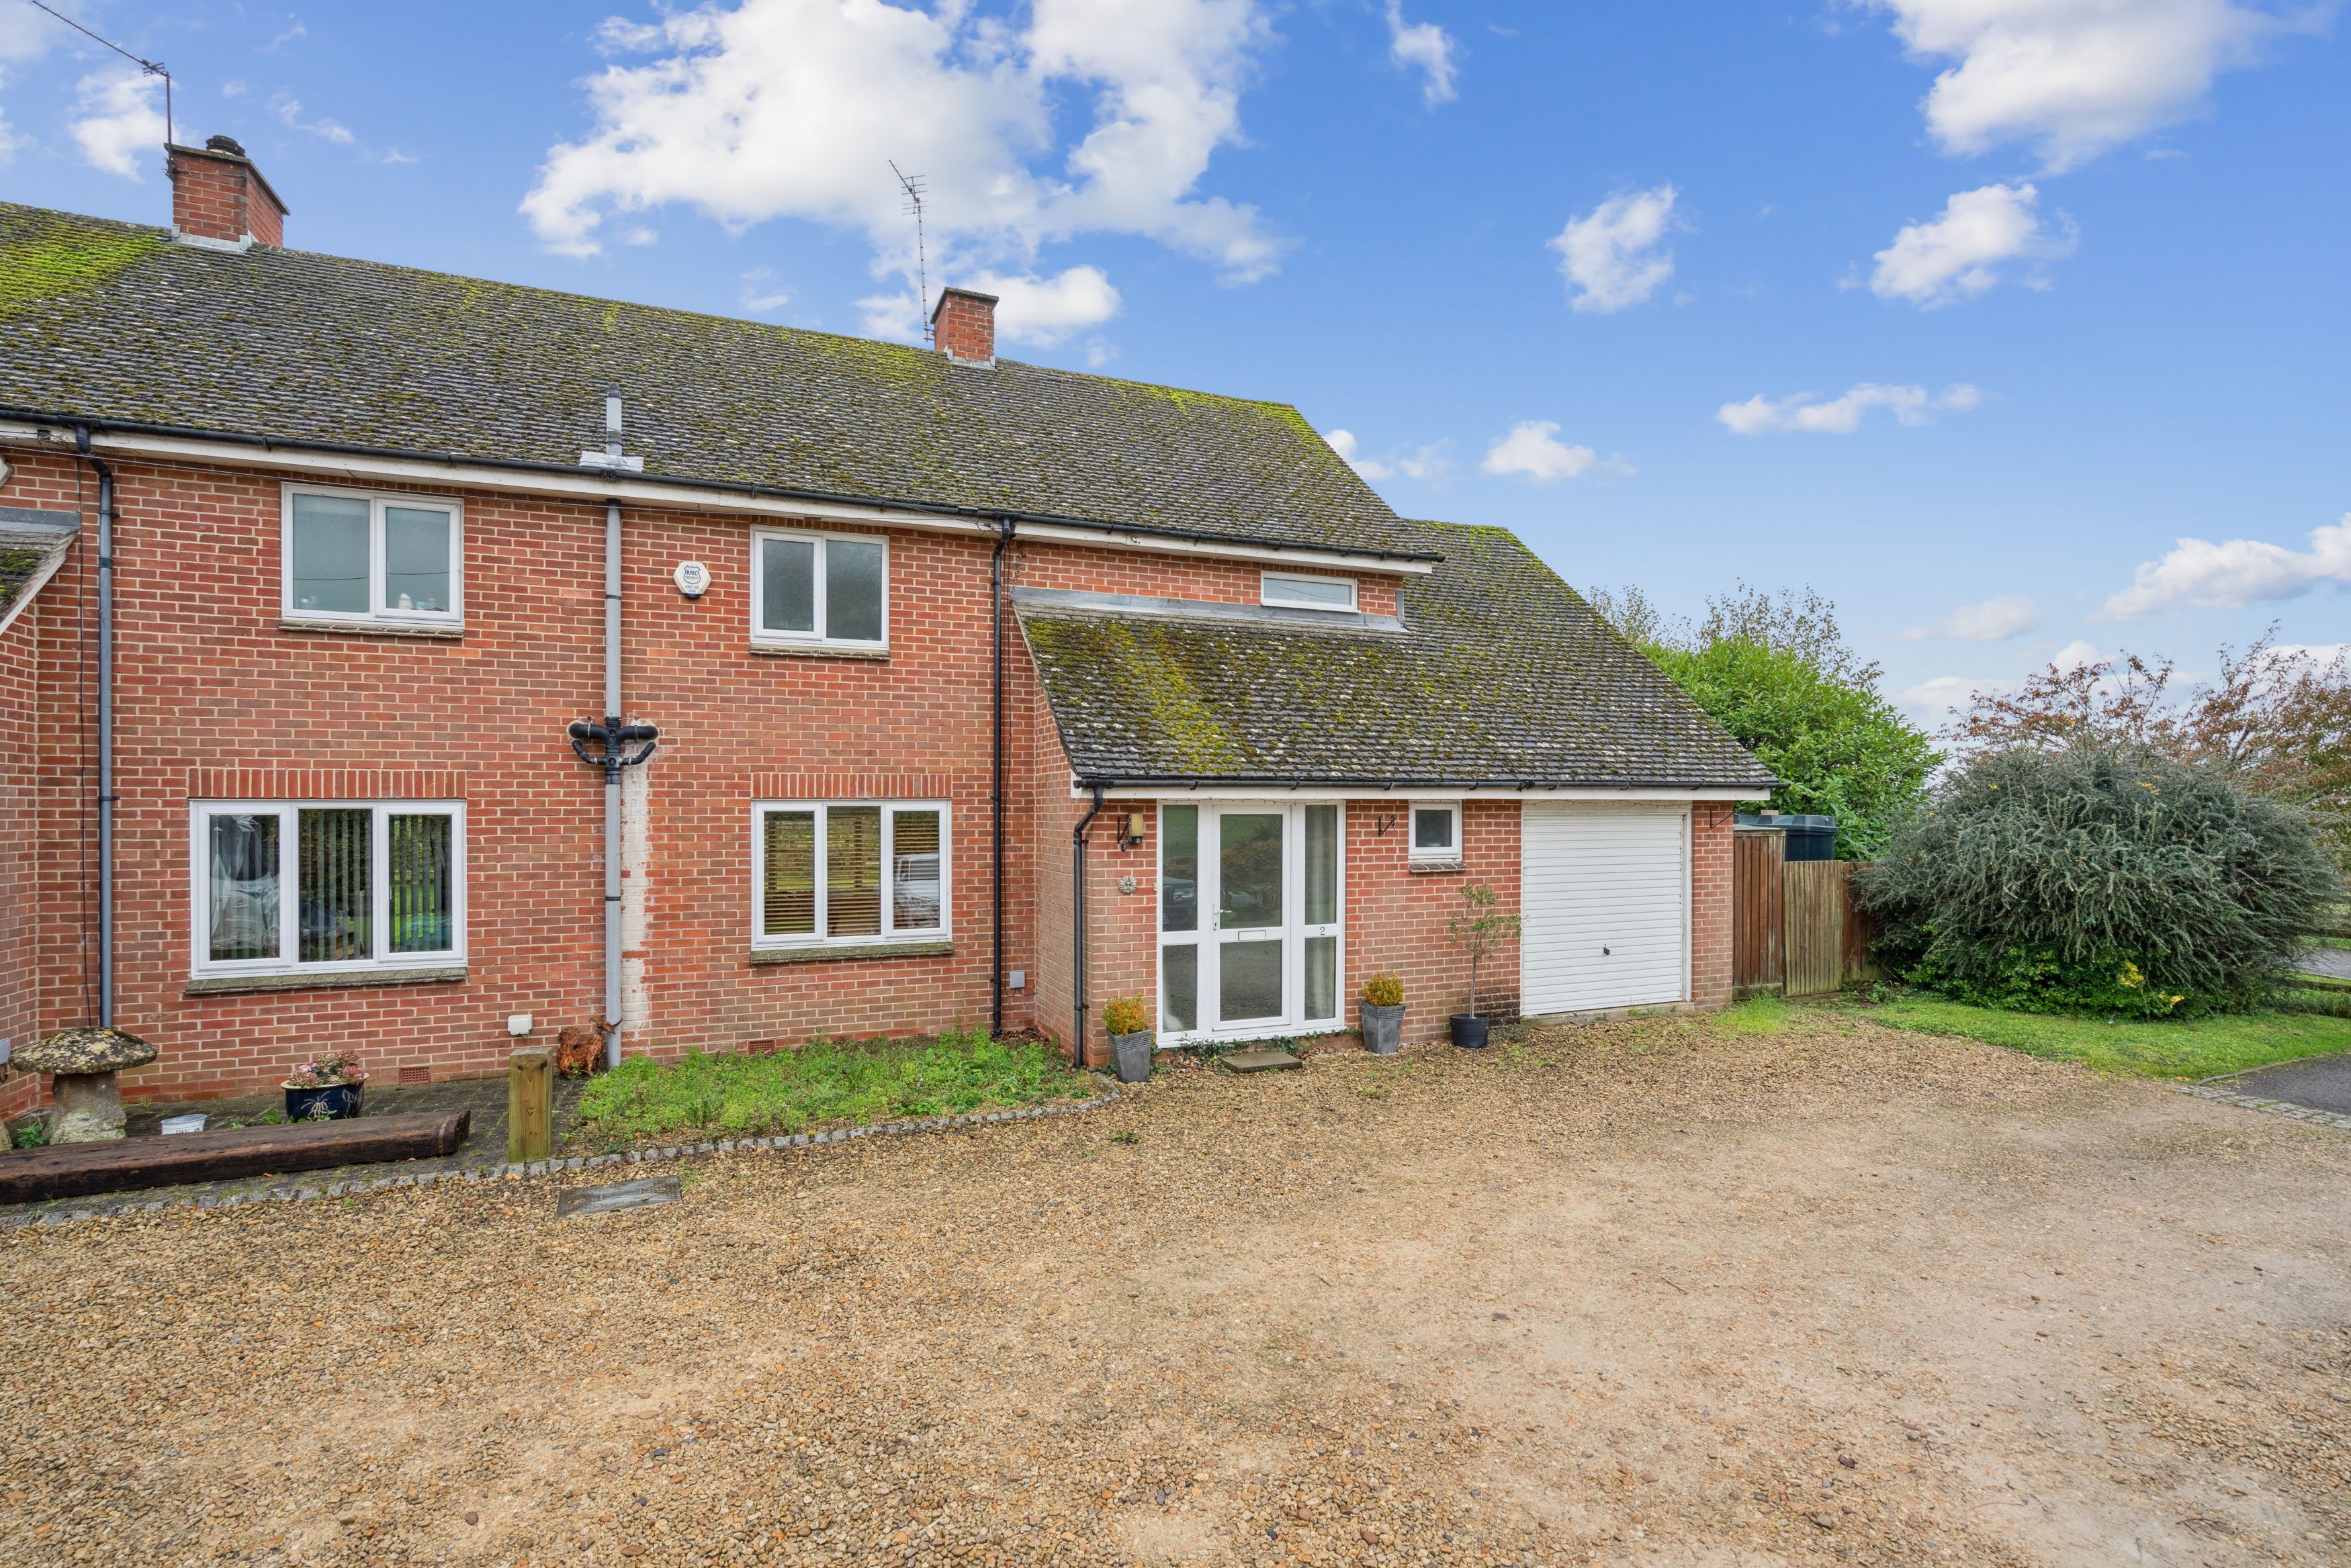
[1290, 591]
[824, 588]
[1437, 832]
[391, 559]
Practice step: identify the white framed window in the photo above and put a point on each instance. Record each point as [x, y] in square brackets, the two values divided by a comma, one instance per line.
[1437, 830]
[359, 556]
[1292, 591]
[828, 588]
[326, 887]
[1252, 919]
[849, 873]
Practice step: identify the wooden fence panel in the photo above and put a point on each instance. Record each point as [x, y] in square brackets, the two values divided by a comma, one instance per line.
[1758, 957]
[1860, 934]
[1816, 899]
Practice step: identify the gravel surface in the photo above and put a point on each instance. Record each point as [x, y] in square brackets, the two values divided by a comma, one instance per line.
[1647, 1291]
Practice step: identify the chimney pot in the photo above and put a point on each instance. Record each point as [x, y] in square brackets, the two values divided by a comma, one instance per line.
[219, 198]
[964, 324]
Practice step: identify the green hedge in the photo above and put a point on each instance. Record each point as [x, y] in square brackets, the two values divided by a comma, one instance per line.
[2096, 880]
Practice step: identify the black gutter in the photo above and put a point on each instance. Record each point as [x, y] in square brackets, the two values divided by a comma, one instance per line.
[996, 777]
[717, 486]
[106, 797]
[1078, 926]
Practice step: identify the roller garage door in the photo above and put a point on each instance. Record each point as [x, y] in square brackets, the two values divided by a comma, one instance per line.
[1606, 901]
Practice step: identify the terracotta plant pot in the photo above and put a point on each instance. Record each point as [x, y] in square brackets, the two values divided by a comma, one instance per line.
[1469, 1031]
[1383, 1028]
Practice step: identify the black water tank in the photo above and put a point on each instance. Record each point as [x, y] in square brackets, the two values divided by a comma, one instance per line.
[1809, 837]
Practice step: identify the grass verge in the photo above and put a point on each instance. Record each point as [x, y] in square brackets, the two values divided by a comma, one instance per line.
[2187, 1048]
[822, 1084]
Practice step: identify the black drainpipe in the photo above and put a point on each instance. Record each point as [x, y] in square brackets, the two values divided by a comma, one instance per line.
[106, 797]
[1078, 927]
[996, 880]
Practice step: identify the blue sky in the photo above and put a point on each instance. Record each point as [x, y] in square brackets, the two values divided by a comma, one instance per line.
[1966, 311]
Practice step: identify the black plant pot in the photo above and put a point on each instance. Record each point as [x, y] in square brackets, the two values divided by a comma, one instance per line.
[1469, 1031]
[341, 1101]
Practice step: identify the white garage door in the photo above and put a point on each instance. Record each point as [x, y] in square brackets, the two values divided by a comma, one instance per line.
[1606, 900]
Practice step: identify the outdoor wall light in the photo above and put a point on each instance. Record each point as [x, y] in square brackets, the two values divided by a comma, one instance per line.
[1130, 832]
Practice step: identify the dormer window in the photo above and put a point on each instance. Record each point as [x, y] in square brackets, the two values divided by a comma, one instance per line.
[1288, 590]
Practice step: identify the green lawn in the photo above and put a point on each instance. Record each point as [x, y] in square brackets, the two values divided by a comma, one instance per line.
[2189, 1048]
[820, 1084]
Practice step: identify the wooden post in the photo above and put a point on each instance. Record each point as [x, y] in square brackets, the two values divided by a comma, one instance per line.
[530, 1107]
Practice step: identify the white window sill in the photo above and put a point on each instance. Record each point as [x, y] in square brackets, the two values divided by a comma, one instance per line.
[316, 980]
[865, 651]
[937, 947]
[446, 632]
[1435, 867]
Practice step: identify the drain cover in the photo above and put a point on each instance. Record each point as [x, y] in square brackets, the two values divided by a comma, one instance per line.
[621, 1195]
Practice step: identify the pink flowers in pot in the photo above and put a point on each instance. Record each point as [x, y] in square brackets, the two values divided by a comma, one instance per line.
[326, 1073]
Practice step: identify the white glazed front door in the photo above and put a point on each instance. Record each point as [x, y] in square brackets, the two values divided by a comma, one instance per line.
[1250, 920]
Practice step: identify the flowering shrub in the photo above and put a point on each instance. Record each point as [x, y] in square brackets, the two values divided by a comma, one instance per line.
[326, 1073]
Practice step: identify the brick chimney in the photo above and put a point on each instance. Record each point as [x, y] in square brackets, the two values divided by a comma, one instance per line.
[964, 324]
[219, 199]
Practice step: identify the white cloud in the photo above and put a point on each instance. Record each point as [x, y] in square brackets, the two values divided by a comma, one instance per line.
[762, 292]
[1960, 255]
[2077, 654]
[1532, 449]
[792, 107]
[2073, 76]
[290, 111]
[1935, 698]
[1994, 620]
[1427, 463]
[1045, 312]
[118, 117]
[1423, 46]
[1343, 443]
[1614, 256]
[2235, 573]
[1759, 415]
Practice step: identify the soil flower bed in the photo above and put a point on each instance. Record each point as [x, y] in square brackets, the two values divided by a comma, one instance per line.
[821, 1085]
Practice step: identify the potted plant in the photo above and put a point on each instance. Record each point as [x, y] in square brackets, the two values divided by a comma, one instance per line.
[1130, 1037]
[1481, 930]
[327, 1089]
[1382, 1009]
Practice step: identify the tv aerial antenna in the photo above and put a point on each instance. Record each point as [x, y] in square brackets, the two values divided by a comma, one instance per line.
[147, 67]
[913, 188]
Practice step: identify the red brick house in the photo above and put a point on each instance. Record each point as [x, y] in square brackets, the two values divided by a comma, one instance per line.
[984, 692]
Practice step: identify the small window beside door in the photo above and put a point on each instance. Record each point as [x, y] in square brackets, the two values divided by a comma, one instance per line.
[833, 590]
[352, 557]
[1437, 831]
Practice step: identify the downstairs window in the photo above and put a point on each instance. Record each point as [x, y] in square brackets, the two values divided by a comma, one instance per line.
[329, 886]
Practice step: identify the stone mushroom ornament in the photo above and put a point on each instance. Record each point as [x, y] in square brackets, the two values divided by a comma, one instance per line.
[84, 1062]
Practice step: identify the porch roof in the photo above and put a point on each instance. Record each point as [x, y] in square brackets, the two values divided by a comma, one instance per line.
[1502, 676]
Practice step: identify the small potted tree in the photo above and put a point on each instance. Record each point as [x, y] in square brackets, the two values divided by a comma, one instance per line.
[1481, 930]
[1382, 1009]
[1130, 1037]
[326, 1090]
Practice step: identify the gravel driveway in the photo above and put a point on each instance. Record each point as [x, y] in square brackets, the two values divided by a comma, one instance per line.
[1646, 1292]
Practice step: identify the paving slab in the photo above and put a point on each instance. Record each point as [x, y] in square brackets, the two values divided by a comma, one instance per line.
[585, 1200]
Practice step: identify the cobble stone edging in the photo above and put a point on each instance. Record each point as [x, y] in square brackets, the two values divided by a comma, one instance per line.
[2213, 1091]
[301, 1191]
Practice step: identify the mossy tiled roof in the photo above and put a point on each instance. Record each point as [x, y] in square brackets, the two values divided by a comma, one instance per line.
[112, 321]
[1504, 677]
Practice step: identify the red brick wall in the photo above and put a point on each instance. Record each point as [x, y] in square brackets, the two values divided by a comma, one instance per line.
[1710, 835]
[215, 699]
